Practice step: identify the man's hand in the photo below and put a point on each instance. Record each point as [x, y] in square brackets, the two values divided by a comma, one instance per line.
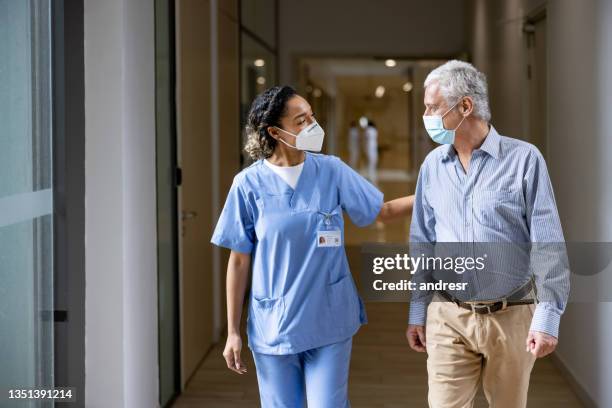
[540, 344]
[416, 338]
[233, 347]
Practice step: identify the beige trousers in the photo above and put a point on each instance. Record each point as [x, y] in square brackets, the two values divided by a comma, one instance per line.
[465, 349]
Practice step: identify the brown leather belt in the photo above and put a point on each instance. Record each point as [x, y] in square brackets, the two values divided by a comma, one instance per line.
[487, 307]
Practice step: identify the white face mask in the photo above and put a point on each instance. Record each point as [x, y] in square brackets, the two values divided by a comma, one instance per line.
[310, 138]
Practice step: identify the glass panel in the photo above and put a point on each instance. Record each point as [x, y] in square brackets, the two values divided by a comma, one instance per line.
[259, 17]
[257, 73]
[26, 225]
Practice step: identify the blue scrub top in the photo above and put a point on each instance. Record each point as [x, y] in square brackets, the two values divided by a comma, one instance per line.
[302, 293]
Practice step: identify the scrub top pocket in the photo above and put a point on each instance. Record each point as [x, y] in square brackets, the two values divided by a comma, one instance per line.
[278, 220]
[268, 315]
[343, 302]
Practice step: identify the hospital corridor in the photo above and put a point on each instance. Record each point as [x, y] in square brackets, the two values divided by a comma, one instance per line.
[162, 161]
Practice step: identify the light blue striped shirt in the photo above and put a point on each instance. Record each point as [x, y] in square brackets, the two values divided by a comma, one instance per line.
[505, 197]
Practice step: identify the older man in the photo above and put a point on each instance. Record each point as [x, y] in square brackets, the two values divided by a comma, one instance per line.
[481, 187]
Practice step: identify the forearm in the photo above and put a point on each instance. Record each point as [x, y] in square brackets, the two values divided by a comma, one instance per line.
[237, 275]
[400, 207]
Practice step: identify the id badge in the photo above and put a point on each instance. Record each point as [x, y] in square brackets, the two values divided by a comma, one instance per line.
[329, 238]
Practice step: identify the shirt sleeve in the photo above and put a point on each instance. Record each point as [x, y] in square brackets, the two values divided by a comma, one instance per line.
[235, 227]
[422, 238]
[548, 261]
[358, 197]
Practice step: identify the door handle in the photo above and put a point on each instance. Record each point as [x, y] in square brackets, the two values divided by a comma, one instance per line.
[186, 215]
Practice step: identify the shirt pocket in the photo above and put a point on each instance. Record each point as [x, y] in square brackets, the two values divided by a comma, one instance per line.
[499, 208]
[268, 315]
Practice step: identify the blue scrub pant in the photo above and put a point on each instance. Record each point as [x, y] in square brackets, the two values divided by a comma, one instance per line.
[319, 376]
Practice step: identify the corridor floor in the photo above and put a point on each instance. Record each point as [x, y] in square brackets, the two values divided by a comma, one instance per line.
[385, 373]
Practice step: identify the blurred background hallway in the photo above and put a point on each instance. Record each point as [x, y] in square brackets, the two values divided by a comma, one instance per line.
[122, 128]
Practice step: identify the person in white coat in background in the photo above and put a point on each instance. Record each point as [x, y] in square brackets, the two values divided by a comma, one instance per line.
[371, 137]
[354, 144]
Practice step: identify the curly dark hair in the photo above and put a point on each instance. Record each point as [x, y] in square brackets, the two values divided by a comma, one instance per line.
[266, 110]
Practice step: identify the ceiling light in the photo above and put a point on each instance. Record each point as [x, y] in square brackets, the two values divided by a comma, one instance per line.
[380, 91]
[390, 63]
[259, 62]
[407, 87]
[317, 93]
[261, 80]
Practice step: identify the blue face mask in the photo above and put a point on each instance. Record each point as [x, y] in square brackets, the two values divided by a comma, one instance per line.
[435, 127]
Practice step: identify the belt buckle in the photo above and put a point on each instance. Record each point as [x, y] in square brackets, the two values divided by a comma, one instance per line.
[475, 306]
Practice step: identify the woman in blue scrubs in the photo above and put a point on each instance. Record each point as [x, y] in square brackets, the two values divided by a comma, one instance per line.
[283, 219]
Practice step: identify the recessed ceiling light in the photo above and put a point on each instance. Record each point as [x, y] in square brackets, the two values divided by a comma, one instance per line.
[390, 63]
[380, 91]
[259, 62]
[407, 87]
[261, 80]
[317, 93]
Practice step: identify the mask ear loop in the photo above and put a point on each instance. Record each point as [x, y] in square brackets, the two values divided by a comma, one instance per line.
[288, 144]
[459, 123]
[451, 108]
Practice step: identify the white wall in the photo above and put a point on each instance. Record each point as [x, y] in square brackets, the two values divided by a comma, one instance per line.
[410, 28]
[580, 95]
[579, 123]
[121, 365]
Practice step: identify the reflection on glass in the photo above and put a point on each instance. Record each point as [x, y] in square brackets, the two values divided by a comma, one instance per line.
[26, 220]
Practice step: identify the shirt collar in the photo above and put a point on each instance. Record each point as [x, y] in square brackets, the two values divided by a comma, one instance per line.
[490, 145]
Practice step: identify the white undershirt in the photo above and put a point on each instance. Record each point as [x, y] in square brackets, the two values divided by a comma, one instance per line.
[290, 174]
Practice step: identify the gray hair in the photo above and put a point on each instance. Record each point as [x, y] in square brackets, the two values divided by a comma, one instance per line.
[458, 79]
